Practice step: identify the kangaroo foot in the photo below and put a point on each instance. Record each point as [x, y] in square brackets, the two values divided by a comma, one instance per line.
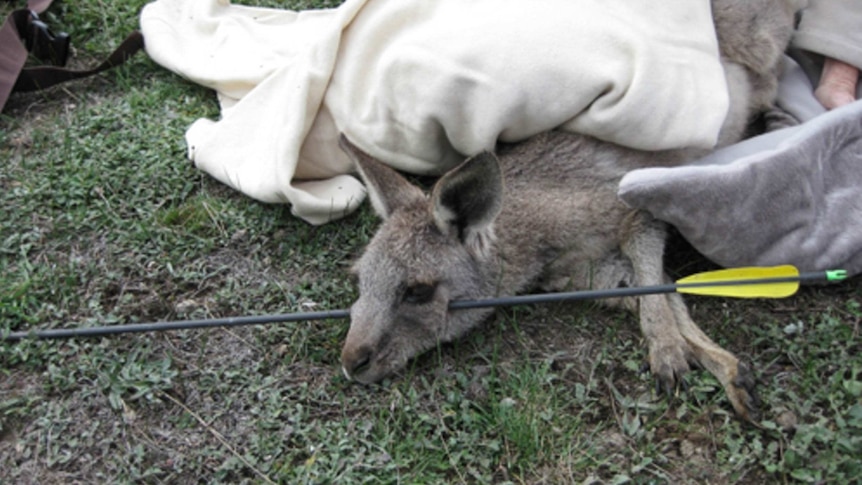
[736, 377]
[742, 394]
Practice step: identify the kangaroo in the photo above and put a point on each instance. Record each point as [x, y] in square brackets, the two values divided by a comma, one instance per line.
[543, 213]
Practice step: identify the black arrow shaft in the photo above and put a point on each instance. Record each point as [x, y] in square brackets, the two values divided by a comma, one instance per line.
[61, 333]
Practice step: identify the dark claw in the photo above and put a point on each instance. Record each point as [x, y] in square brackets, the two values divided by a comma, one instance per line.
[667, 385]
[754, 401]
[754, 408]
[745, 380]
[683, 384]
[744, 377]
[644, 368]
[664, 385]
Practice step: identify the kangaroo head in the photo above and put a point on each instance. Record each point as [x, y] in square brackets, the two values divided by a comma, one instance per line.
[430, 250]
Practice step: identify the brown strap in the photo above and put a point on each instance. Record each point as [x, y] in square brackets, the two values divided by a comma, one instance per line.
[23, 32]
[42, 77]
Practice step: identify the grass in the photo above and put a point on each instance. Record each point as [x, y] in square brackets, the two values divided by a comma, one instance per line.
[104, 221]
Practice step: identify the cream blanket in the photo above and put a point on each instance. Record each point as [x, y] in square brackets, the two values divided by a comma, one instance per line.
[421, 83]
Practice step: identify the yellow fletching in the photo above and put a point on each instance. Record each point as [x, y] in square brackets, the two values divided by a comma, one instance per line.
[740, 282]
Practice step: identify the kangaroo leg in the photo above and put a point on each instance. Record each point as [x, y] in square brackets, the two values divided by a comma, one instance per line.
[669, 353]
[735, 376]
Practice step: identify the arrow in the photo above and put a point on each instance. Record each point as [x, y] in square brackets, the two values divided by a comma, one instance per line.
[749, 282]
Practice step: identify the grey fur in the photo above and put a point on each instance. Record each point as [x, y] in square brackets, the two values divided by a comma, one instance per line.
[546, 215]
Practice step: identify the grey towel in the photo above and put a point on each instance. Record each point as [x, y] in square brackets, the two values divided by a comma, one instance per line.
[792, 196]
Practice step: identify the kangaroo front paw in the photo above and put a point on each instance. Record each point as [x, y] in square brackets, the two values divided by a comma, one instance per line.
[669, 365]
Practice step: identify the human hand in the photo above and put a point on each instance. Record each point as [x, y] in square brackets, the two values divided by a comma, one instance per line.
[837, 85]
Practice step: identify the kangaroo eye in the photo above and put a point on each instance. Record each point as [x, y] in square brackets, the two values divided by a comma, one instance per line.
[419, 293]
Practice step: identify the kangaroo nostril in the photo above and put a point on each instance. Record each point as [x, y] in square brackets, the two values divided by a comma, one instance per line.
[357, 362]
[362, 364]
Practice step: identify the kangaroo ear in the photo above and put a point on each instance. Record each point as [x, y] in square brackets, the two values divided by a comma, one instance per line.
[467, 199]
[387, 190]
